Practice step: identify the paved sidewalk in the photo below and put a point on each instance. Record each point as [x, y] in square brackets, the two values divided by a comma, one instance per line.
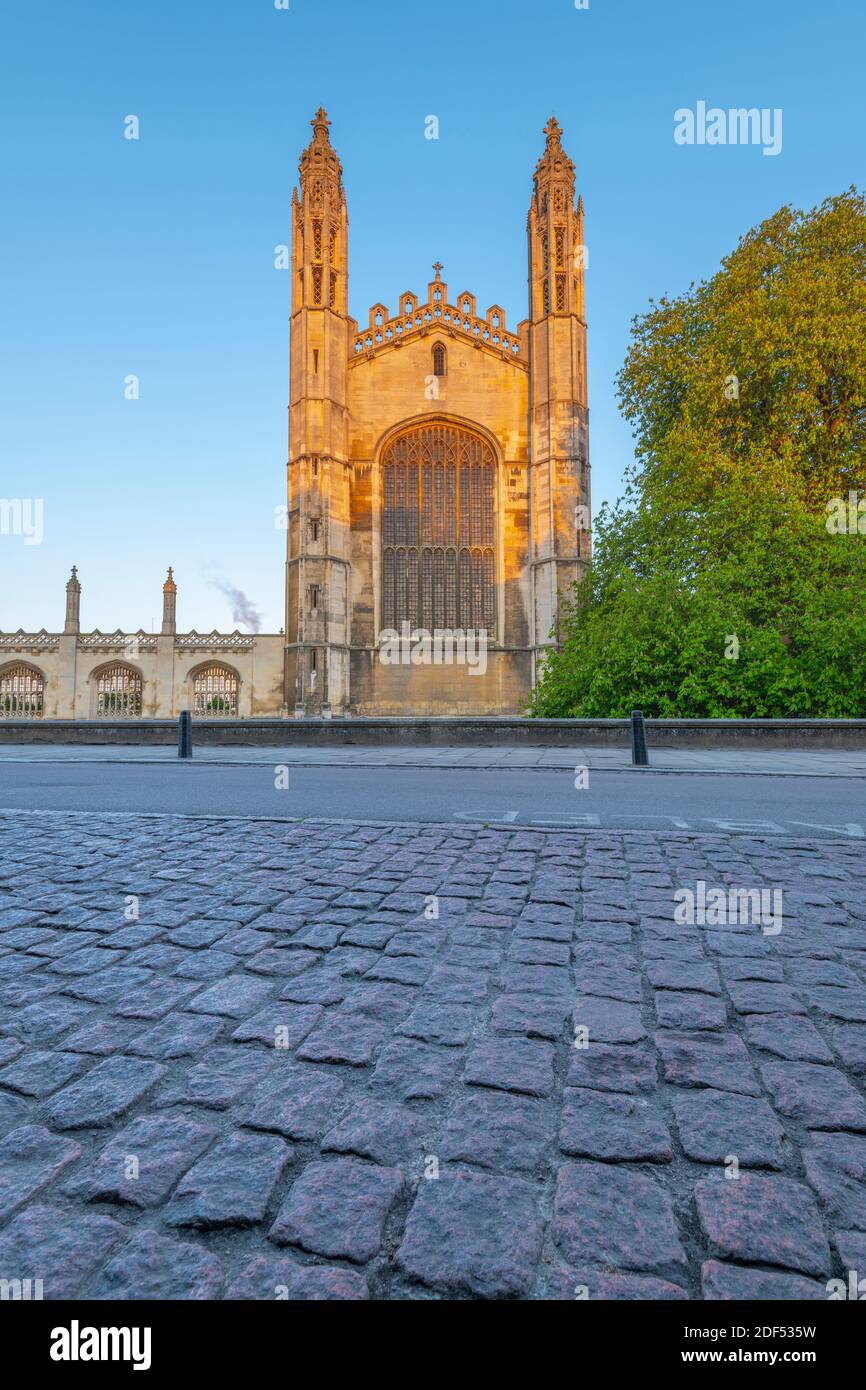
[256, 1060]
[815, 762]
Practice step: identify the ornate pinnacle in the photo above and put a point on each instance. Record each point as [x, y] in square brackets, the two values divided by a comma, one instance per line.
[320, 124]
[169, 587]
[553, 130]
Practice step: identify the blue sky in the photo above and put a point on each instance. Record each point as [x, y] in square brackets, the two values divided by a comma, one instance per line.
[155, 257]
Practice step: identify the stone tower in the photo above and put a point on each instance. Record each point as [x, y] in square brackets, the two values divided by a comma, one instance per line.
[318, 545]
[559, 428]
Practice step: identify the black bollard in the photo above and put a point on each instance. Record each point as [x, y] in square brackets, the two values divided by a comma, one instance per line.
[639, 756]
[184, 734]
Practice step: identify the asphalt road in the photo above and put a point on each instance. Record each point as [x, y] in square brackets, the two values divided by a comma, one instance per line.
[800, 806]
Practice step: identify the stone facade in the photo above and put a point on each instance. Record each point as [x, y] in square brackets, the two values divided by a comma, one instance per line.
[484, 433]
[438, 500]
[108, 675]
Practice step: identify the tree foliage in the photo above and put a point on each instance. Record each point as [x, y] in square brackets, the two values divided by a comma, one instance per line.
[716, 588]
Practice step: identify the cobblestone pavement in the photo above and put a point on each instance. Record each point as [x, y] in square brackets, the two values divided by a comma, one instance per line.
[248, 1060]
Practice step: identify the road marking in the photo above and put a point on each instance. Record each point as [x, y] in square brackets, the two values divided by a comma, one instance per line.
[509, 816]
[851, 828]
[764, 827]
[594, 821]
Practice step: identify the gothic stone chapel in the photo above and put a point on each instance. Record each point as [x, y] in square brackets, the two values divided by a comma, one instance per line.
[438, 463]
[438, 480]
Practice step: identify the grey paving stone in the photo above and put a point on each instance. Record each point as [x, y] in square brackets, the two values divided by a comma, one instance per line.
[410, 1070]
[790, 1036]
[607, 1020]
[234, 997]
[473, 1233]
[835, 1167]
[714, 1125]
[141, 1164]
[450, 1025]
[103, 1036]
[532, 1015]
[723, 1281]
[298, 1105]
[392, 1002]
[338, 1209]
[387, 1134]
[107, 1091]
[281, 1278]
[41, 1023]
[59, 1248]
[151, 1266]
[224, 1076]
[718, 1060]
[280, 1025]
[612, 1216]
[611, 981]
[231, 1185]
[31, 1158]
[316, 989]
[599, 1124]
[849, 1041]
[456, 986]
[846, 1004]
[819, 1096]
[624, 1067]
[493, 1129]
[570, 1284]
[756, 1219]
[671, 974]
[40, 1073]
[754, 997]
[178, 1035]
[512, 1064]
[351, 1039]
[686, 1012]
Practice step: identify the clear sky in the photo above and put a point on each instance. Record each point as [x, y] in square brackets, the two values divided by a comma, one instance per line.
[155, 257]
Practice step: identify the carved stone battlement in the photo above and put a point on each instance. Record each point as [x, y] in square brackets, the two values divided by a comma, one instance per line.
[415, 318]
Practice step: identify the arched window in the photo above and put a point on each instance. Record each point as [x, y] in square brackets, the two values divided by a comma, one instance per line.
[438, 360]
[118, 692]
[215, 692]
[438, 529]
[22, 692]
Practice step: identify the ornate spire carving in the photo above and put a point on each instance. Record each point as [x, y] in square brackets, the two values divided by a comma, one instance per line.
[320, 169]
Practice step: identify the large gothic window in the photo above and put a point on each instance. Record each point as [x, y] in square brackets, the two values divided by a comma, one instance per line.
[118, 692]
[438, 529]
[215, 692]
[22, 692]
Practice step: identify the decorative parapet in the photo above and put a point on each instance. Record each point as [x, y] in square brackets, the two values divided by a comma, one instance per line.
[456, 320]
[130, 643]
[214, 641]
[22, 641]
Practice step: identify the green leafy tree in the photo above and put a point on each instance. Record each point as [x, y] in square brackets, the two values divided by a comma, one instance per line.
[716, 588]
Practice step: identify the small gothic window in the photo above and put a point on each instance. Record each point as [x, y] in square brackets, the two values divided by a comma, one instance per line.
[118, 692]
[315, 468]
[22, 693]
[315, 594]
[215, 692]
[314, 530]
[438, 360]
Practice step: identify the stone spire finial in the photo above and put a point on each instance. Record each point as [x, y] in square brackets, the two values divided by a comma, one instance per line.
[320, 125]
[553, 131]
[169, 605]
[319, 163]
[73, 602]
[438, 267]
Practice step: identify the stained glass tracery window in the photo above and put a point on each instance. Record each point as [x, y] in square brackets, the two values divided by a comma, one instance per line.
[438, 530]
